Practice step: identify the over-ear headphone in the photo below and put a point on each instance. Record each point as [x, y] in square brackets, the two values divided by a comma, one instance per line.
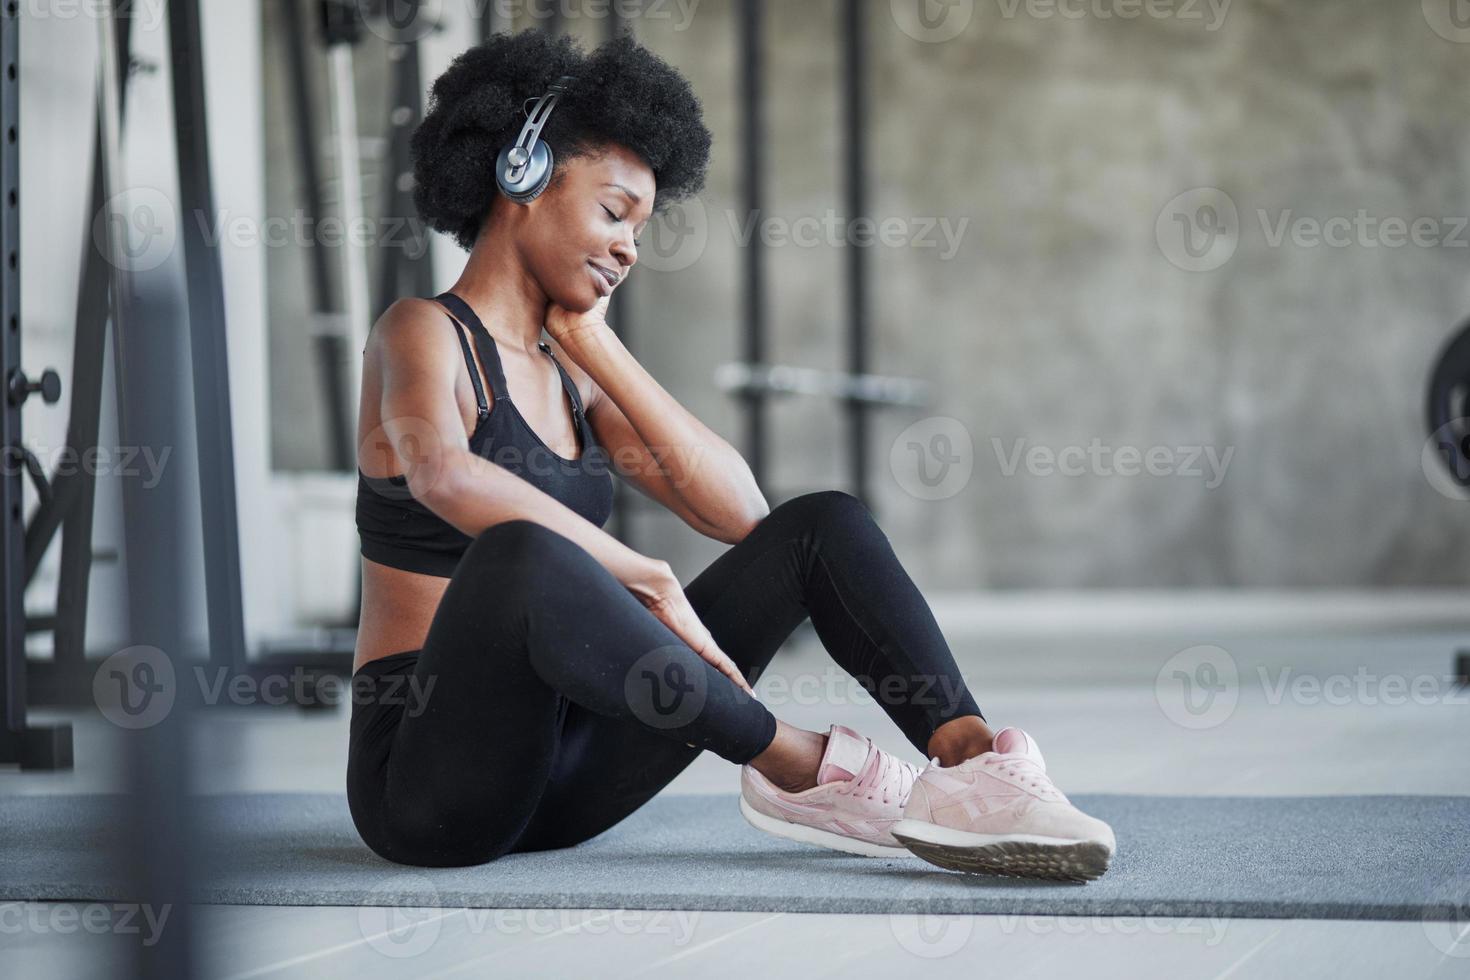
[523, 169]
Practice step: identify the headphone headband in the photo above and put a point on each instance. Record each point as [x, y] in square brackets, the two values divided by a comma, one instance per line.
[519, 154]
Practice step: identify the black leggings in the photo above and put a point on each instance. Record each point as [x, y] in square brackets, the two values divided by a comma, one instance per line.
[548, 703]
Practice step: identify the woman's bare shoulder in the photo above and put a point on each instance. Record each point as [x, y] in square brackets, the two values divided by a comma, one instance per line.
[410, 329]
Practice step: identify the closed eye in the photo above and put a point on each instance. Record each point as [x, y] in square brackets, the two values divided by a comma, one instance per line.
[615, 219]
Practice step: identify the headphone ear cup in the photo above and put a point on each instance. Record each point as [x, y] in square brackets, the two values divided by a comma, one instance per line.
[535, 176]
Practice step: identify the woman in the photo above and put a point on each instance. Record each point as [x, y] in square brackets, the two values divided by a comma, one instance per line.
[565, 678]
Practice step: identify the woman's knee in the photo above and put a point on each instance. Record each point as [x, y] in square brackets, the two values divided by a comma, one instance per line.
[525, 550]
[825, 508]
[423, 834]
[516, 537]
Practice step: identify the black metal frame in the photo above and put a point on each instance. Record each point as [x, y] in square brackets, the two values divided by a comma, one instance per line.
[66, 680]
[30, 746]
[69, 506]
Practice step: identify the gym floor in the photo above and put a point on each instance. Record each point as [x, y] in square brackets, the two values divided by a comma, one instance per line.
[1090, 702]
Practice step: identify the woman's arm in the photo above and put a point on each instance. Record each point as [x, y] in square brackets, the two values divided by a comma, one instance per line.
[423, 428]
[658, 445]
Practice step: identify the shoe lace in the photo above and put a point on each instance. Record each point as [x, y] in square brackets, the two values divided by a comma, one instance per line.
[887, 774]
[1023, 769]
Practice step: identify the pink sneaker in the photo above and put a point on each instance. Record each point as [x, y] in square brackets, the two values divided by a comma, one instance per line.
[999, 813]
[861, 791]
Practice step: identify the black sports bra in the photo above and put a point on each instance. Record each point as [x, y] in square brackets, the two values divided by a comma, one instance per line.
[397, 530]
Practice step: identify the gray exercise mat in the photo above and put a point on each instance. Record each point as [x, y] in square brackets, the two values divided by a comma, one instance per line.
[1320, 857]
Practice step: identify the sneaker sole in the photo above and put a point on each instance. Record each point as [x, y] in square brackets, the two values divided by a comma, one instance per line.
[1014, 855]
[822, 838]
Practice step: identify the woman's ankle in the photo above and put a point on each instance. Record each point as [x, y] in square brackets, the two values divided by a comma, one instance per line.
[792, 759]
[959, 739]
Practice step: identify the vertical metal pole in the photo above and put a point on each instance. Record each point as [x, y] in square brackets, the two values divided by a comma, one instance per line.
[855, 175]
[206, 318]
[88, 366]
[342, 35]
[150, 365]
[12, 568]
[406, 261]
[327, 328]
[752, 189]
[33, 746]
[620, 315]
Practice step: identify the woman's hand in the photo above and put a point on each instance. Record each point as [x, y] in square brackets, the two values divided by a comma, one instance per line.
[660, 591]
[568, 328]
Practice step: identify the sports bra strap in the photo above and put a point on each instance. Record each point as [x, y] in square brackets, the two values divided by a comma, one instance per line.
[484, 343]
[490, 355]
[469, 360]
[566, 382]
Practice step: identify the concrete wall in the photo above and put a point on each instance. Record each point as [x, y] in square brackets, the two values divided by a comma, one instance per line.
[1037, 166]
[1072, 320]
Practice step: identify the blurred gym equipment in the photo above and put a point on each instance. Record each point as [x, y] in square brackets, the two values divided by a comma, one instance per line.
[1447, 414]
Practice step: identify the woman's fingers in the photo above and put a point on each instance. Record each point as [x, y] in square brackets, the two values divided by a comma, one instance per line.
[726, 666]
[680, 617]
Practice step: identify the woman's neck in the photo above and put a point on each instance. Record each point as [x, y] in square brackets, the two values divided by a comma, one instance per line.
[503, 294]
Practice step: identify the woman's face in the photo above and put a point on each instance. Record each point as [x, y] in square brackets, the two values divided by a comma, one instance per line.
[579, 238]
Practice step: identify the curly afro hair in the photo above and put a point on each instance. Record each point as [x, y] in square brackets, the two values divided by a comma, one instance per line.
[624, 94]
